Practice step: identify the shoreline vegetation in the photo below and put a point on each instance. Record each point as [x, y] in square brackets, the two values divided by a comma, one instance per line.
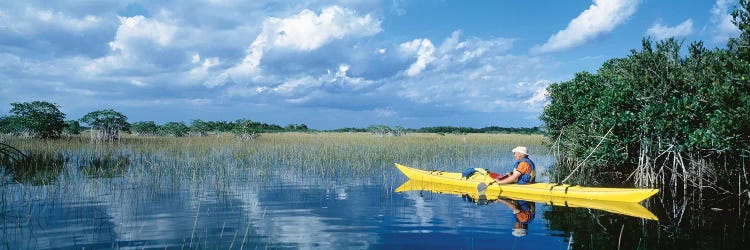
[659, 117]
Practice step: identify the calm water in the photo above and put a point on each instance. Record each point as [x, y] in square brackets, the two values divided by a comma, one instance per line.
[238, 208]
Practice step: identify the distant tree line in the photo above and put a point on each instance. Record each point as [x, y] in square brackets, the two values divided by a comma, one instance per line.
[398, 130]
[384, 129]
[40, 119]
[349, 129]
[658, 118]
[201, 128]
[491, 129]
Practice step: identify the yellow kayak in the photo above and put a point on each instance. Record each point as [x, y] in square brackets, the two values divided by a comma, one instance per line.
[540, 189]
[624, 208]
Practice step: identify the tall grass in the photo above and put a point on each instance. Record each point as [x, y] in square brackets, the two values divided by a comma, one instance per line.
[326, 154]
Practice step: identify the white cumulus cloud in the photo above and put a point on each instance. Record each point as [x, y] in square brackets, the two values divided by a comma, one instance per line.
[201, 71]
[539, 99]
[291, 86]
[309, 31]
[660, 31]
[721, 18]
[196, 58]
[305, 31]
[601, 17]
[471, 74]
[137, 44]
[137, 28]
[424, 51]
[305, 88]
[343, 68]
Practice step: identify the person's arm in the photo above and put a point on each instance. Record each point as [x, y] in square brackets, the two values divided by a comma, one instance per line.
[510, 179]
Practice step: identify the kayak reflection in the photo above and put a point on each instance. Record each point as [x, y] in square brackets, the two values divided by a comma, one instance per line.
[523, 211]
[471, 194]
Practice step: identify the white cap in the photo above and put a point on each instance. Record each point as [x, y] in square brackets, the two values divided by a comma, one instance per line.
[519, 232]
[521, 150]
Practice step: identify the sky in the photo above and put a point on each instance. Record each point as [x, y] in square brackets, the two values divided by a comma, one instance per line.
[327, 64]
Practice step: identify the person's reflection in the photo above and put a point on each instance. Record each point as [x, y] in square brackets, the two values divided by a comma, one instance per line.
[523, 211]
[523, 214]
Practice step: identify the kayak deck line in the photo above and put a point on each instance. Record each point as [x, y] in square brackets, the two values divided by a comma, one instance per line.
[547, 189]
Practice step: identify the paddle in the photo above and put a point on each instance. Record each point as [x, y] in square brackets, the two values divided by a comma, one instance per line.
[482, 187]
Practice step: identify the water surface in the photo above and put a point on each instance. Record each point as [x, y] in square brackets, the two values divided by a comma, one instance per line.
[236, 206]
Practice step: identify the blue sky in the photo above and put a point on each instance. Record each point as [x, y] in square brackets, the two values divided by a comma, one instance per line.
[327, 64]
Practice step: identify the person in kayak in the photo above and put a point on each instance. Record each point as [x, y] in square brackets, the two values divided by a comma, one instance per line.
[523, 171]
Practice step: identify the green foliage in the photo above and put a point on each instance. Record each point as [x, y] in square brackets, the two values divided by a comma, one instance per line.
[244, 126]
[106, 124]
[72, 127]
[491, 129]
[296, 127]
[741, 19]
[177, 129]
[145, 128]
[349, 130]
[663, 110]
[220, 126]
[200, 127]
[10, 125]
[383, 130]
[107, 119]
[38, 118]
[245, 130]
[445, 130]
